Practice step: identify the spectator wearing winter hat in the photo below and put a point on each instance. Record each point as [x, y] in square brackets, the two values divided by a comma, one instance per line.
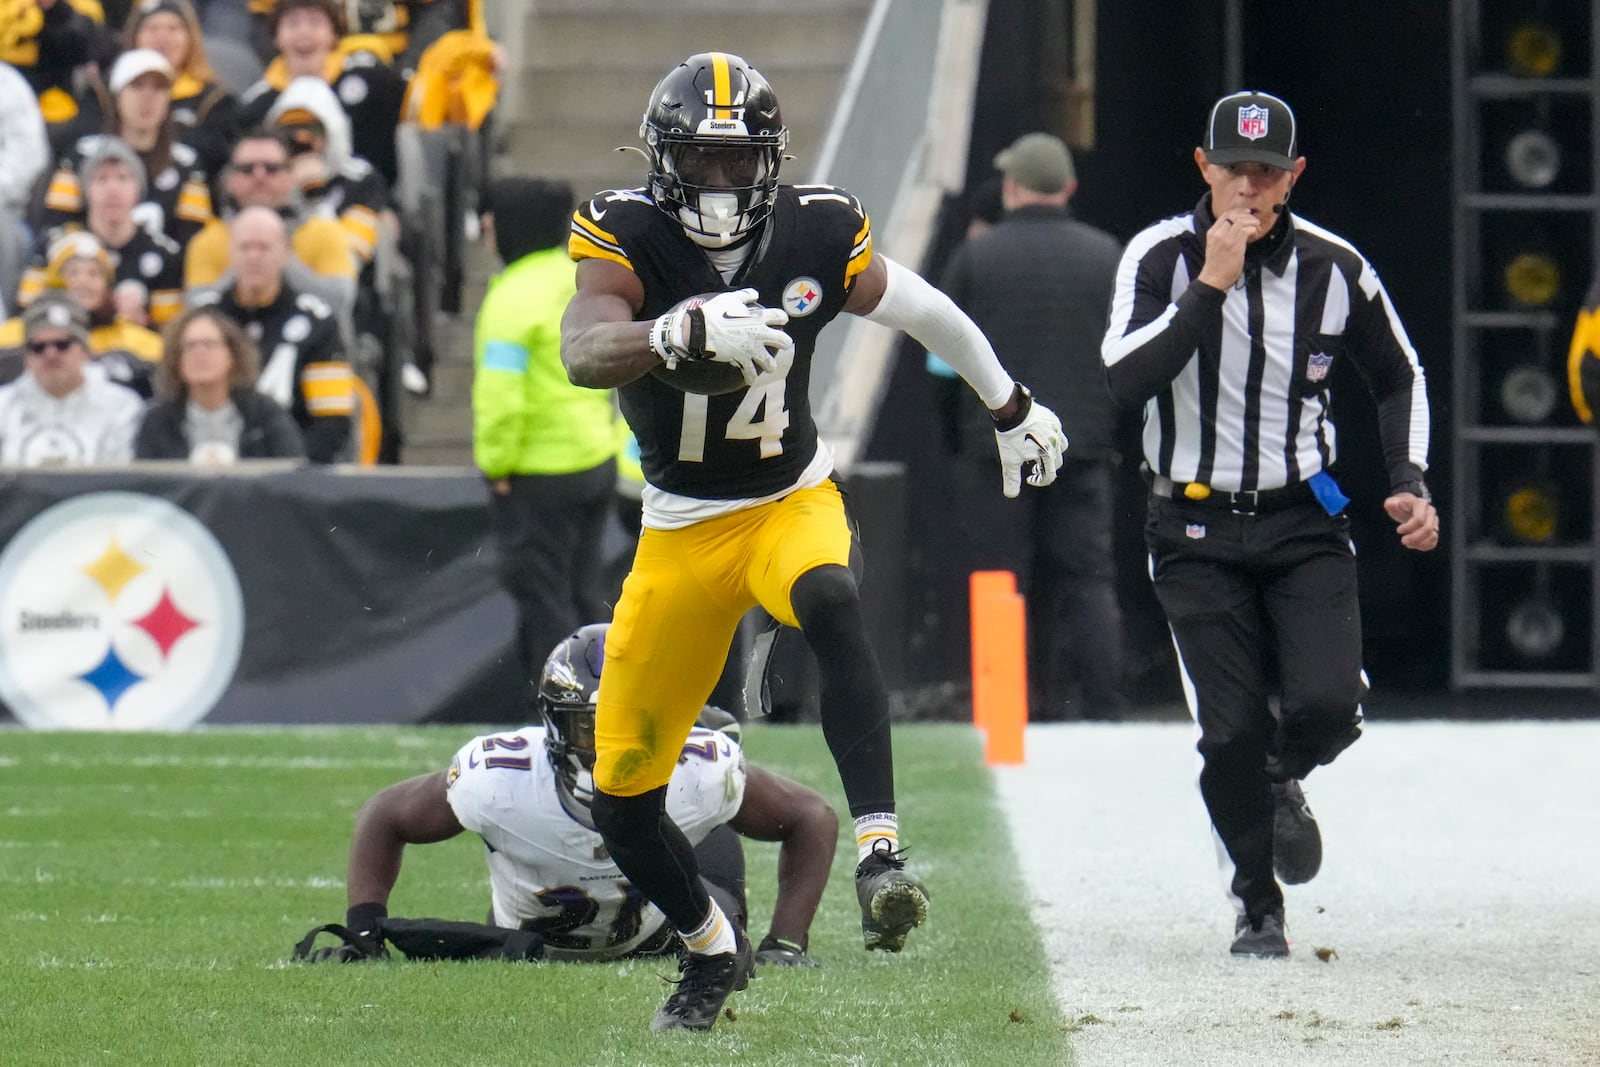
[80, 268]
[328, 175]
[149, 266]
[62, 412]
[178, 198]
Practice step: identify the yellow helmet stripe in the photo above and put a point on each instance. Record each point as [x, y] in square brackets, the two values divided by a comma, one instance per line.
[721, 90]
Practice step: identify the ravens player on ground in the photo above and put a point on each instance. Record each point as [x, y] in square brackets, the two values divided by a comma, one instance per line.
[740, 506]
[527, 794]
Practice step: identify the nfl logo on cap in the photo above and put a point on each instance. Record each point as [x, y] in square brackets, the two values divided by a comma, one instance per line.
[1252, 122]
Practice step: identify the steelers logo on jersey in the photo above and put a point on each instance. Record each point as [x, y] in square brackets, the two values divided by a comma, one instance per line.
[150, 264]
[167, 180]
[802, 296]
[297, 329]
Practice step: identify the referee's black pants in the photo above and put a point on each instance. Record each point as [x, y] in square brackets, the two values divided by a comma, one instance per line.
[1258, 603]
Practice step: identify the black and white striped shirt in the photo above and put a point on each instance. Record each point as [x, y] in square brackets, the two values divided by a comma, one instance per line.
[1235, 385]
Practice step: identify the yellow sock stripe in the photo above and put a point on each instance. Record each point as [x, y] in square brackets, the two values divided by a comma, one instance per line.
[700, 943]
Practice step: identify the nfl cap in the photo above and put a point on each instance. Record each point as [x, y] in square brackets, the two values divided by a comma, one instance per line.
[1248, 127]
[1037, 161]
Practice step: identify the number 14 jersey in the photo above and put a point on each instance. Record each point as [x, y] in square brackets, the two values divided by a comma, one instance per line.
[755, 443]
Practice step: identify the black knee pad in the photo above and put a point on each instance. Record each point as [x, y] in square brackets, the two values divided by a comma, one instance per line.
[822, 594]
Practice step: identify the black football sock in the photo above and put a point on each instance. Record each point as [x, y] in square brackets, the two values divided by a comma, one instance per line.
[854, 700]
[653, 854]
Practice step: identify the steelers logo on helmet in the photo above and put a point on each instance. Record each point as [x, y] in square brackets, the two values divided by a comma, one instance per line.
[715, 138]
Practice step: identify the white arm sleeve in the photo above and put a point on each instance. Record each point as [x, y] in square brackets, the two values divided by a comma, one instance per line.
[909, 303]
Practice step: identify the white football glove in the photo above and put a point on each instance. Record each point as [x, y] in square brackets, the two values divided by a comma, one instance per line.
[1037, 440]
[725, 328]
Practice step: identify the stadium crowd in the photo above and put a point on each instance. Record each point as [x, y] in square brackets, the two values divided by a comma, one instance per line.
[276, 160]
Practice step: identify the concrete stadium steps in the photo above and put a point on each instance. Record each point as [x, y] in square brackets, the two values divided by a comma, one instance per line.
[438, 428]
[583, 77]
[589, 66]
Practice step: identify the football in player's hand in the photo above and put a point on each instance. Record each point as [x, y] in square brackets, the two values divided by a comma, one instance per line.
[697, 374]
[702, 376]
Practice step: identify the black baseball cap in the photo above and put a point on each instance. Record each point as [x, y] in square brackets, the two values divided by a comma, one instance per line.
[1249, 127]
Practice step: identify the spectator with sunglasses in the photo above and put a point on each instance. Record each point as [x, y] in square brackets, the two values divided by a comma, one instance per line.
[62, 412]
[260, 175]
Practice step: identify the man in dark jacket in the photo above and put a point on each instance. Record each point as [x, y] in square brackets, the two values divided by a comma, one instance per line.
[1038, 283]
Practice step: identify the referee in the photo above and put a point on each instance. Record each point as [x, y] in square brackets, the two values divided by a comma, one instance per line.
[1226, 325]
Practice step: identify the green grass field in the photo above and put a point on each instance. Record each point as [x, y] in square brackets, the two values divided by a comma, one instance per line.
[152, 886]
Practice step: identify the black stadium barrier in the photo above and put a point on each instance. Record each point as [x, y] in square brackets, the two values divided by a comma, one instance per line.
[156, 597]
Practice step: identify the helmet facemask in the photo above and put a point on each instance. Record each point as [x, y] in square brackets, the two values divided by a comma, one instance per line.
[569, 743]
[720, 190]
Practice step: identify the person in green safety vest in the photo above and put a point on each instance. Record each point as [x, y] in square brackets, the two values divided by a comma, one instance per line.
[547, 447]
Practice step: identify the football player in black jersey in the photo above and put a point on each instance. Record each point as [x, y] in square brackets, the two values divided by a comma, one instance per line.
[714, 266]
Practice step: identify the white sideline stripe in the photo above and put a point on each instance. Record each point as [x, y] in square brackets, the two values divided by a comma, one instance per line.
[314, 882]
[1459, 890]
[316, 763]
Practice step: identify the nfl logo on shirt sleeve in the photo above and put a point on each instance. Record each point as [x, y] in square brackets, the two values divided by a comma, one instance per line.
[1317, 366]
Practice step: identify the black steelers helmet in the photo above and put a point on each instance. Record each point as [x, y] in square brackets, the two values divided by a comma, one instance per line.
[715, 138]
[569, 685]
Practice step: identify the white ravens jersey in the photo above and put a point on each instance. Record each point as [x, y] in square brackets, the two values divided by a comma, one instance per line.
[550, 873]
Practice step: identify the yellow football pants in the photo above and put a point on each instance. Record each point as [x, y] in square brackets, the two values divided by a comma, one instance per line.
[680, 606]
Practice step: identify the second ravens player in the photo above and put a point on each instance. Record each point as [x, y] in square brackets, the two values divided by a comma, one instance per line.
[714, 262]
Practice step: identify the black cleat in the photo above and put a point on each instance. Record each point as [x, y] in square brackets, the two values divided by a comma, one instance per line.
[892, 899]
[1260, 935]
[704, 984]
[1296, 840]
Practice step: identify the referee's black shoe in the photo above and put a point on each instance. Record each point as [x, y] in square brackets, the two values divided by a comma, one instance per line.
[1296, 840]
[1261, 935]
